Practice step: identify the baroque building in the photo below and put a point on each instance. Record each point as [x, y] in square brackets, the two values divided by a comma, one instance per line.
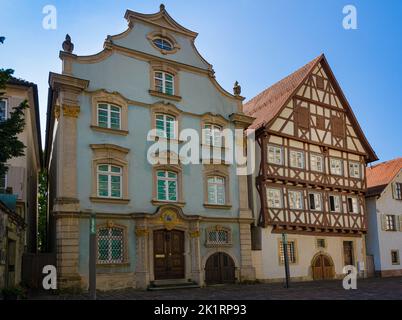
[18, 187]
[157, 223]
[310, 177]
[384, 209]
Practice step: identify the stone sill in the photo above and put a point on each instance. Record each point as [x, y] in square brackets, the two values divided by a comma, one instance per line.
[109, 200]
[164, 95]
[162, 203]
[109, 130]
[218, 206]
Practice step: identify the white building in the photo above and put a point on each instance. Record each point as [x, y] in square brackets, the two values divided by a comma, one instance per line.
[384, 209]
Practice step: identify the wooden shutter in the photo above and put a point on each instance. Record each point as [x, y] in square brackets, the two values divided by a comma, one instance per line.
[303, 117]
[320, 122]
[394, 190]
[383, 218]
[337, 127]
[320, 82]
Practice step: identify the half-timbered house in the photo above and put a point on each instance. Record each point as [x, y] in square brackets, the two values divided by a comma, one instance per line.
[310, 178]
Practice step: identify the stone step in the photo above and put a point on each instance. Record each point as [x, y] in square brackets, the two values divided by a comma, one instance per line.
[172, 284]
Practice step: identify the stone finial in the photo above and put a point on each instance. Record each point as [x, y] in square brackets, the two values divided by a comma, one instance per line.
[237, 89]
[68, 46]
[162, 7]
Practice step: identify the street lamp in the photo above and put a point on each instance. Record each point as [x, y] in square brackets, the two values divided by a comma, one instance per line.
[92, 256]
[286, 258]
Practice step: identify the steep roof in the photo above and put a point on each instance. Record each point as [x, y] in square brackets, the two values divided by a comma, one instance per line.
[380, 175]
[268, 104]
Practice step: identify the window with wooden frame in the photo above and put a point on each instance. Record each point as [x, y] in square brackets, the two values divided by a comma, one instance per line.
[336, 166]
[354, 170]
[316, 162]
[216, 179]
[109, 116]
[296, 200]
[111, 242]
[353, 205]
[315, 201]
[165, 125]
[397, 190]
[335, 203]
[292, 255]
[303, 117]
[274, 198]
[218, 236]
[275, 155]
[296, 159]
[3, 110]
[319, 82]
[212, 135]
[216, 190]
[163, 43]
[395, 257]
[167, 182]
[337, 126]
[109, 181]
[164, 82]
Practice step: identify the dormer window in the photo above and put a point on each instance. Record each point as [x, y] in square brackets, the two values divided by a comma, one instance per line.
[163, 44]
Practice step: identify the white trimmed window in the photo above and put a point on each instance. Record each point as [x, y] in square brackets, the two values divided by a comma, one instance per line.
[213, 135]
[167, 186]
[291, 252]
[3, 183]
[334, 203]
[110, 245]
[315, 201]
[164, 82]
[109, 116]
[353, 205]
[275, 155]
[216, 190]
[354, 170]
[165, 126]
[274, 198]
[297, 159]
[336, 166]
[3, 110]
[109, 181]
[295, 200]
[316, 163]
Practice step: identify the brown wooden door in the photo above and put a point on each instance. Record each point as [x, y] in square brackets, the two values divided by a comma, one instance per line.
[323, 269]
[220, 269]
[169, 254]
[348, 253]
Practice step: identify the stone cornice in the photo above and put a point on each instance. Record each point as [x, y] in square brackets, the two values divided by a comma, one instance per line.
[241, 120]
[60, 81]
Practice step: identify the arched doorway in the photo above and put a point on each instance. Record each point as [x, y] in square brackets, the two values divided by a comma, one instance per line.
[169, 260]
[323, 267]
[220, 269]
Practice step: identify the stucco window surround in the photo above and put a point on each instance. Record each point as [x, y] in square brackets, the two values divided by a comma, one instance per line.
[218, 236]
[108, 154]
[169, 168]
[222, 171]
[170, 110]
[113, 99]
[110, 225]
[163, 34]
[166, 68]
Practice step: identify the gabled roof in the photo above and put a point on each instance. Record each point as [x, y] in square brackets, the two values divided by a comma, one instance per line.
[162, 19]
[380, 175]
[268, 104]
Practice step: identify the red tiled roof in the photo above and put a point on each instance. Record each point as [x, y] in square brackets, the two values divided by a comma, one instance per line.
[267, 104]
[380, 175]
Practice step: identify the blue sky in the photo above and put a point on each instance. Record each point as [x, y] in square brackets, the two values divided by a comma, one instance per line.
[254, 42]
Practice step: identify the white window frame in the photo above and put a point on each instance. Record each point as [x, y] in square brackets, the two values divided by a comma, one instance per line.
[332, 168]
[109, 174]
[109, 115]
[313, 164]
[165, 133]
[335, 203]
[164, 81]
[296, 205]
[163, 40]
[5, 109]
[215, 184]
[166, 180]
[276, 150]
[277, 201]
[355, 204]
[295, 154]
[317, 198]
[354, 170]
[213, 135]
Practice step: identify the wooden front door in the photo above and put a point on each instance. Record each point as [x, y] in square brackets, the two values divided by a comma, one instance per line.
[323, 269]
[169, 254]
[220, 269]
[348, 253]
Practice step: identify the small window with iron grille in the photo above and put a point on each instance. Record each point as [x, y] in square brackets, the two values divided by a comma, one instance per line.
[291, 252]
[321, 243]
[111, 248]
[218, 236]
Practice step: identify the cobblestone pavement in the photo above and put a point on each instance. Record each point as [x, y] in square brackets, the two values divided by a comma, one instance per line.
[375, 288]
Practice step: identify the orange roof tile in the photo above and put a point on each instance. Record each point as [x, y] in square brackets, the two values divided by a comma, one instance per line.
[382, 174]
[268, 103]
